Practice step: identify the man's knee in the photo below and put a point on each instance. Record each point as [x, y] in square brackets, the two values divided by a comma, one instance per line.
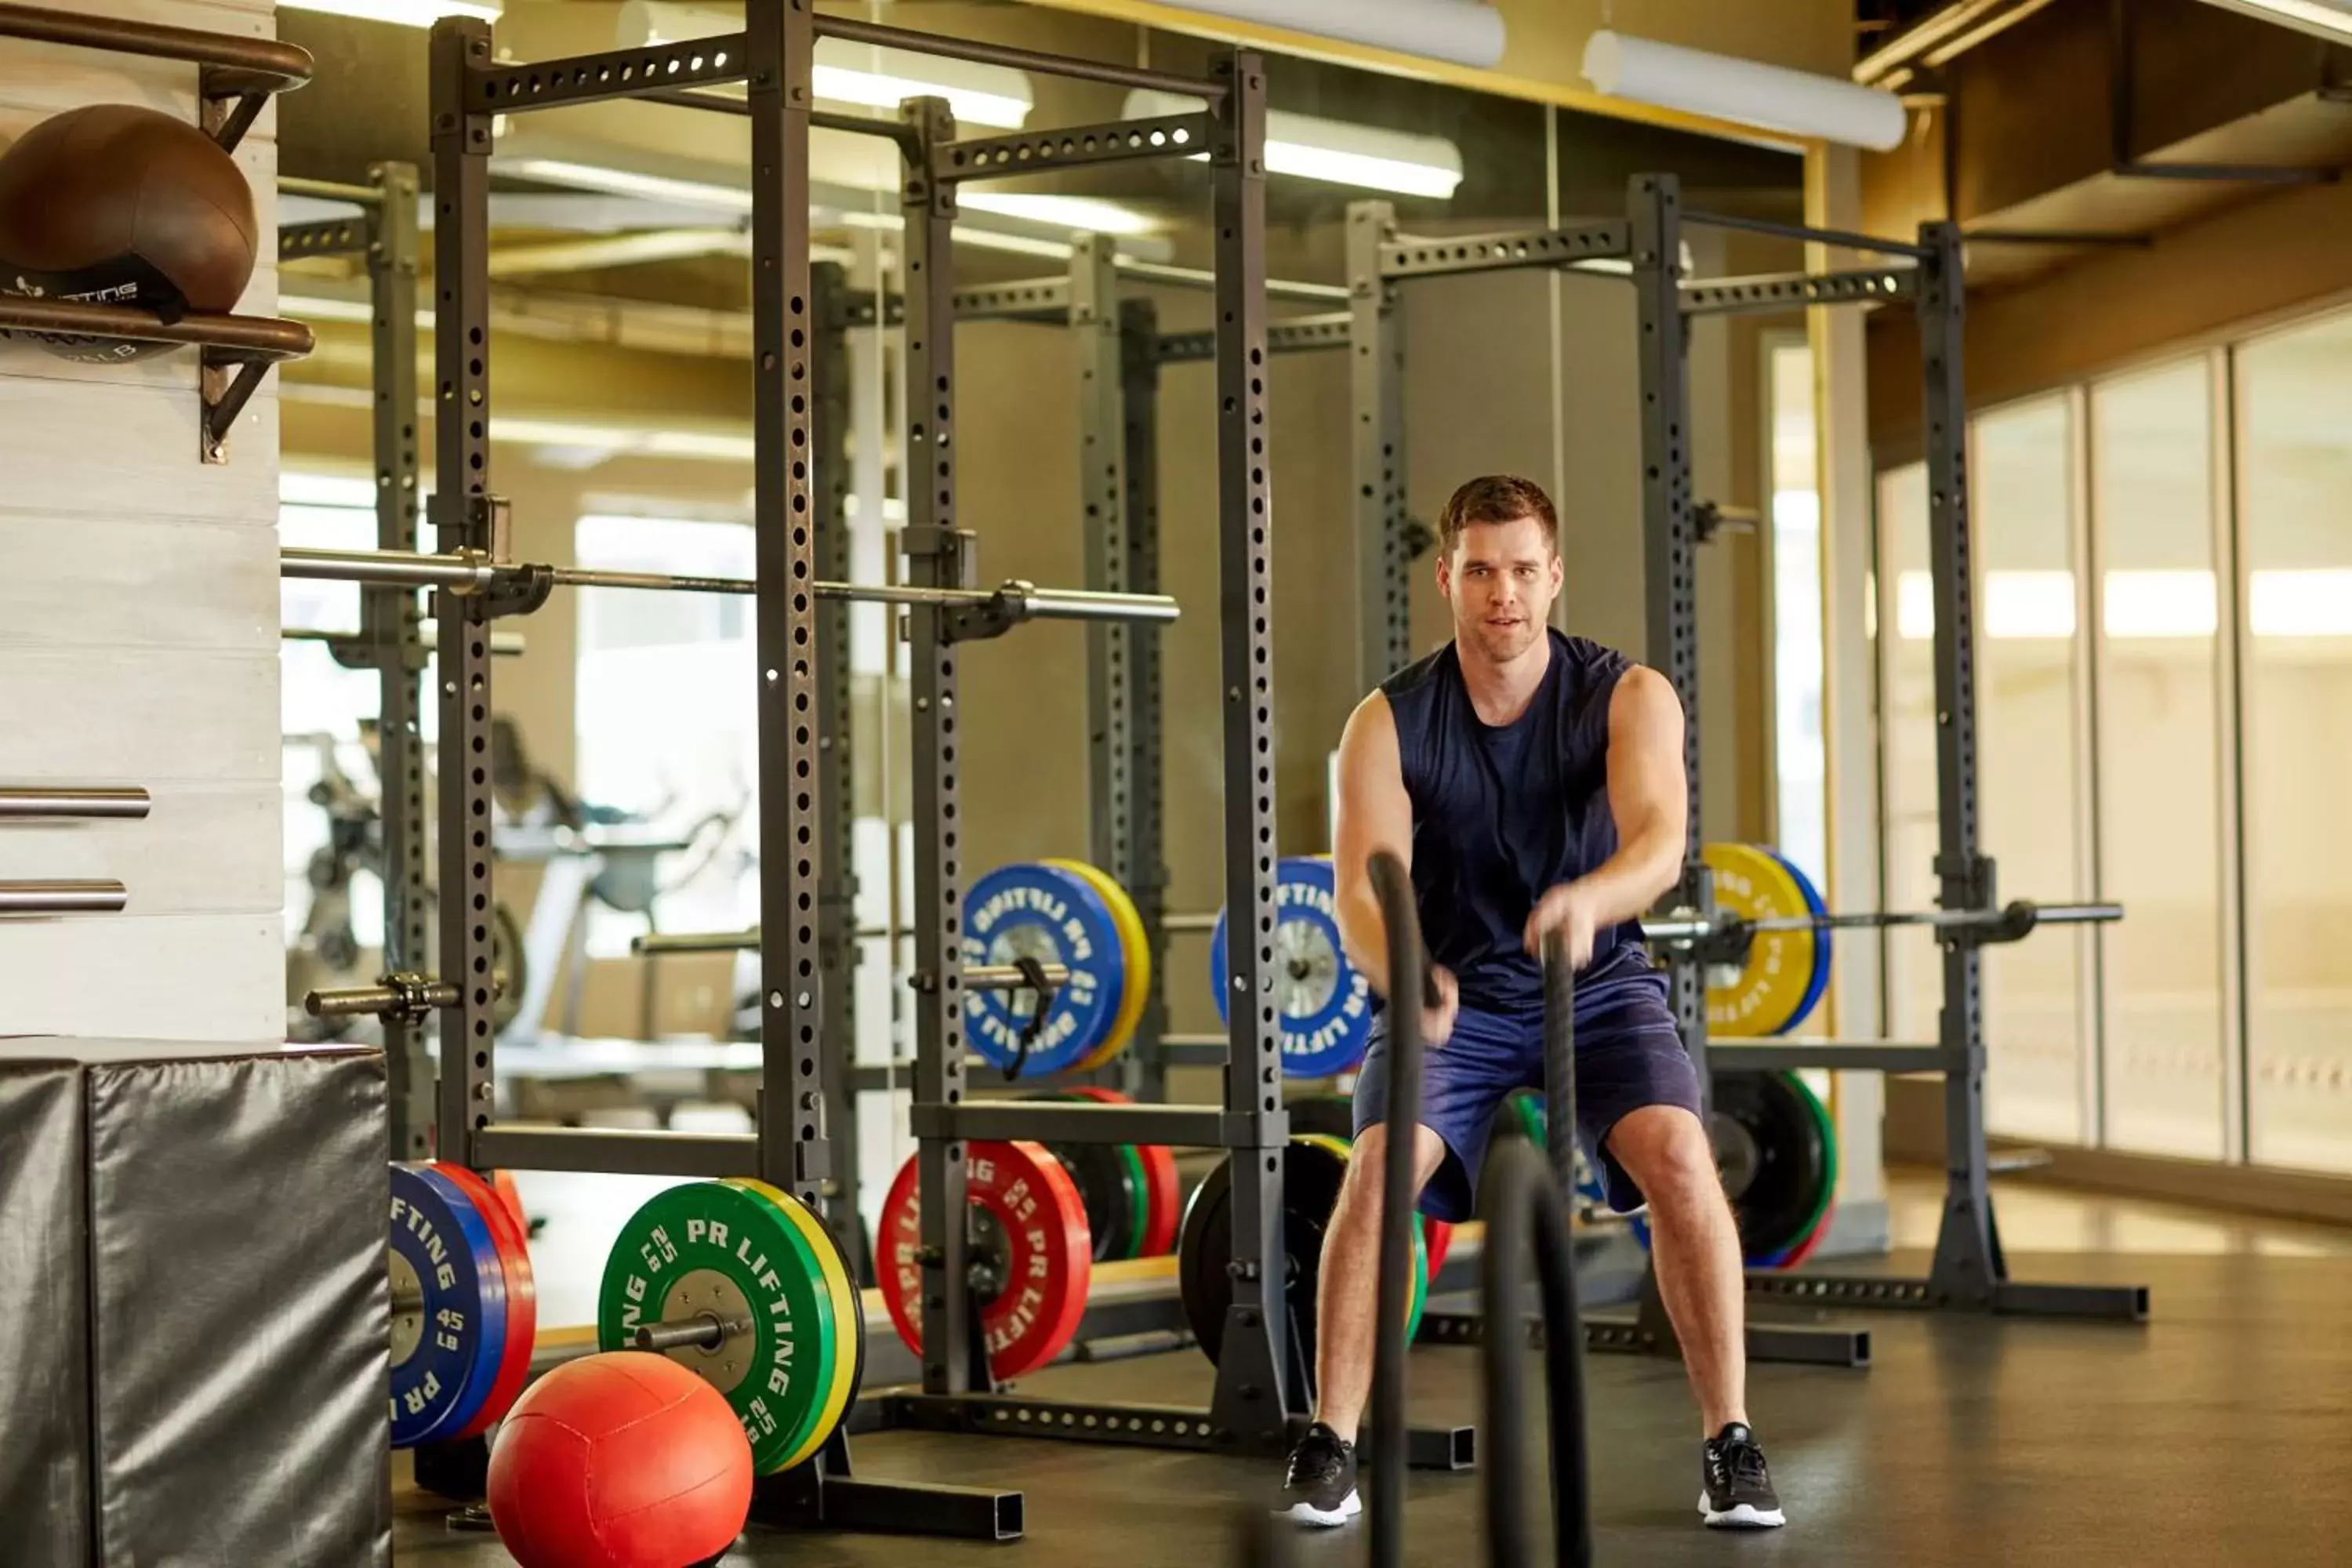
[1666, 1153]
[1368, 1161]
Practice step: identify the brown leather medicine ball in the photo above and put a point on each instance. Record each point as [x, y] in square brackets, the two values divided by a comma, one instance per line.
[121, 206]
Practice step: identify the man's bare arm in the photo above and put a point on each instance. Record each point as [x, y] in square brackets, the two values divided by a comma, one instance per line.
[1375, 812]
[1649, 795]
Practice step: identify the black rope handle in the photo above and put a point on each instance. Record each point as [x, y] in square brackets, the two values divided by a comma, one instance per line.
[1032, 975]
[1408, 977]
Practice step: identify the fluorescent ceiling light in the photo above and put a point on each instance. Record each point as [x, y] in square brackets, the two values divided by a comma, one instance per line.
[2330, 19]
[962, 234]
[864, 75]
[405, 13]
[1465, 31]
[1747, 93]
[627, 182]
[1079, 213]
[1334, 151]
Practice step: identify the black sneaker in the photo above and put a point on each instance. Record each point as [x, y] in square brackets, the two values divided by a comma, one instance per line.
[1739, 1494]
[1320, 1487]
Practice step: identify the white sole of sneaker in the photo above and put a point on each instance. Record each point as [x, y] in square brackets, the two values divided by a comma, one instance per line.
[1307, 1513]
[1746, 1516]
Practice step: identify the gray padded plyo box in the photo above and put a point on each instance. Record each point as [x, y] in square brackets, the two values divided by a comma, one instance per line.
[44, 1301]
[241, 1317]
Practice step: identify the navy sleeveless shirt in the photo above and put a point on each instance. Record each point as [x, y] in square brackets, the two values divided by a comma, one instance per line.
[1501, 814]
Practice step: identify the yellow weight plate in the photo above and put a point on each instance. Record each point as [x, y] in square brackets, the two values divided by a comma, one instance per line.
[1134, 947]
[1772, 989]
[849, 1324]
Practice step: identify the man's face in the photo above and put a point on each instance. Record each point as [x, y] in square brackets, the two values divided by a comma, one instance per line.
[1500, 580]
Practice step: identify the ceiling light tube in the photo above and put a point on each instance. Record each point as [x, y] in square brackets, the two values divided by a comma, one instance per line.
[2329, 19]
[1334, 150]
[401, 12]
[1723, 87]
[860, 75]
[1464, 31]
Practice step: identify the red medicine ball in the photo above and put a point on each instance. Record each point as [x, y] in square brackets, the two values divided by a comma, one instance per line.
[119, 206]
[620, 1460]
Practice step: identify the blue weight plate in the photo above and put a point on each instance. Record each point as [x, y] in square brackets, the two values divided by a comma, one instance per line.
[1029, 910]
[1326, 1008]
[1821, 976]
[445, 1353]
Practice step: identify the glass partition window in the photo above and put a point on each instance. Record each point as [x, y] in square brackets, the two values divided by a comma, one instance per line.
[1915, 984]
[2029, 694]
[1800, 756]
[2295, 543]
[667, 717]
[2160, 751]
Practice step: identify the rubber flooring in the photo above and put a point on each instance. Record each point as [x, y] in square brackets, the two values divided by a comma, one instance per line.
[2215, 1433]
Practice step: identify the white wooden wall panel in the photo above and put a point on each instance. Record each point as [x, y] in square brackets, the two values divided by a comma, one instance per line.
[48, 78]
[128, 582]
[169, 977]
[203, 849]
[138, 716]
[133, 450]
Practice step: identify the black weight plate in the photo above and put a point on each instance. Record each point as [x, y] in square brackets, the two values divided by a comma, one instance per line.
[1312, 1177]
[1334, 1114]
[1790, 1162]
[1106, 1186]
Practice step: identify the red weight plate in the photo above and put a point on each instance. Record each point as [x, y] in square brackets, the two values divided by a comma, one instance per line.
[1031, 1207]
[503, 1184]
[1437, 1236]
[522, 1297]
[1812, 1242]
[1167, 1201]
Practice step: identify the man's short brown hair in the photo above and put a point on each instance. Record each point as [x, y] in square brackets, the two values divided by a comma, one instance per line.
[1496, 498]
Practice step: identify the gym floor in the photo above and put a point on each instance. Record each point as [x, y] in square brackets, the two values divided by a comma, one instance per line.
[2214, 1434]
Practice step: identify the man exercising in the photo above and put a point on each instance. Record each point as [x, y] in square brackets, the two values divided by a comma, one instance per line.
[1533, 783]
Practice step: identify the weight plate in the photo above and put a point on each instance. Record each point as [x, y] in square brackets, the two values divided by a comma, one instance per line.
[848, 1315]
[713, 1249]
[445, 1353]
[1115, 1208]
[1820, 982]
[1167, 1200]
[1028, 1249]
[1323, 1005]
[1764, 996]
[1790, 1162]
[510, 1194]
[1818, 1225]
[1437, 1240]
[1331, 1113]
[1311, 1176]
[1029, 911]
[522, 1296]
[1134, 947]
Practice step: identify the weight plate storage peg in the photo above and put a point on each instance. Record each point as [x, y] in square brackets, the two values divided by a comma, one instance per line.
[1323, 1005]
[1055, 916]
[522, 1294]
[448, 1307]
[1027, 1248]
[723, 1259]
[1768, 994]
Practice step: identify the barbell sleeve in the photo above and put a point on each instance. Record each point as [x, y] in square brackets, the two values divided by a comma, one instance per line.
[16, 804]
[363, 1001]
[1005, 977]
[62, 897]
[466, 571]
[702, 1334]
[405, 1302]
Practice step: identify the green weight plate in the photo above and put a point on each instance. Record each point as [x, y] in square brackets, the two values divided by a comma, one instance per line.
[711, 1248]
[1827, 1187]
[1790, 1162]
[1139, 1187]
[841, 1291]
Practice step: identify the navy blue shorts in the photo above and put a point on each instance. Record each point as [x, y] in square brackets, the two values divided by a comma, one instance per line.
[1629, 1054]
